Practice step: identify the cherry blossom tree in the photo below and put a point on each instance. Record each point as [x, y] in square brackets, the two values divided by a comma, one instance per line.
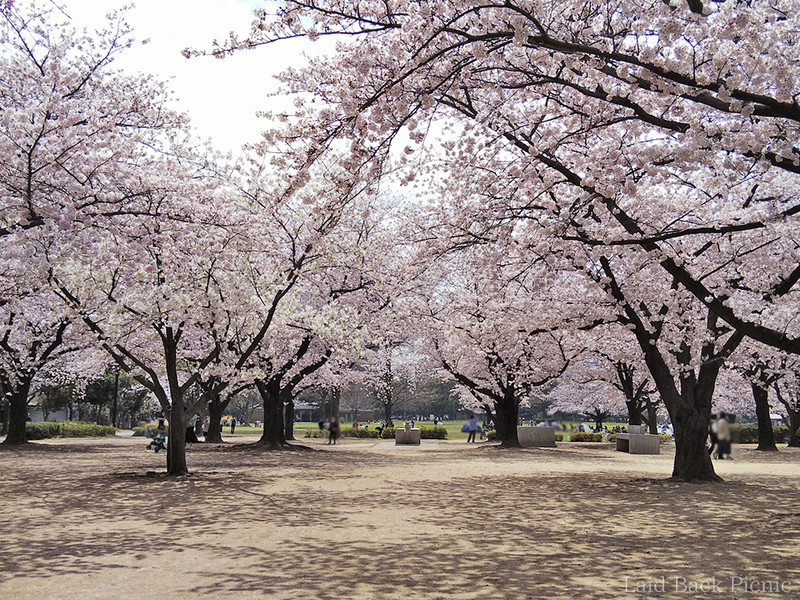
[157, 299]
[32, 336]
[502, 328]
[599, 383]
[612, 106]
[643, 128]
[787, 393]
[74, 135]
[72, 129]
[596, 400]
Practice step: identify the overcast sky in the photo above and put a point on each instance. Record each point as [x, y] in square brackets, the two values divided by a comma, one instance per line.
[221, 96]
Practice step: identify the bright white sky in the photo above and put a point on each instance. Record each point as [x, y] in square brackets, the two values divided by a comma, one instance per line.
[220, 96]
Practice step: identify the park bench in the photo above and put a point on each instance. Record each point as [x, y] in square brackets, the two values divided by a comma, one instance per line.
[407, 435]
[638, 441]
[543, 436]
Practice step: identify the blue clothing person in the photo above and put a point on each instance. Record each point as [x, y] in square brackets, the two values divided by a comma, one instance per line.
[472, 427]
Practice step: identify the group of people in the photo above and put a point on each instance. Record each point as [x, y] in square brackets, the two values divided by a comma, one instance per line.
[158, 439]
[719, 437]
[195, 428]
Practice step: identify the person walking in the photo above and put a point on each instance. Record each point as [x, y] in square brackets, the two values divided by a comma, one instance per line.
[233, 425]
[723, 437]
[191, 438]
[472, 427]
[712, 436]
[198, 428]
[333, 433]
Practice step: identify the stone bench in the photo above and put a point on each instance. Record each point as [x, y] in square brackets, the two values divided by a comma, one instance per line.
[537, 436]
[410, 437]
[638, 441]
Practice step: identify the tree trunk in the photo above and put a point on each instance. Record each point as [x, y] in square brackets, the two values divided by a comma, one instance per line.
[652, 417]
[690, 413]
[272, 436]
[794, 425]
[634, 412]
[387, 414]
[387, 393]
[766, 437]
[116, 398]
[288, 419]
[336, 398]
[692, 460]
[3, 417]
[176, 443]
[507, 415]
[598, 422]
[18, 414]
[215, 409]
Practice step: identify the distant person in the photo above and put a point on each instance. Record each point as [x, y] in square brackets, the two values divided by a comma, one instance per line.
[355, 424]
[206, 427]
[198, 427]
[333, 434]
[233, 425]
[713, 442]
[723, 437]
[472, 428]
[191, 438]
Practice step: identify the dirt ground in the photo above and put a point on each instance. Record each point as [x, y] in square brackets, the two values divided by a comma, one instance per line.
[368, 520]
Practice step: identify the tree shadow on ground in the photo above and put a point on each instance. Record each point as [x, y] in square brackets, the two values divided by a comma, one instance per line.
[336, 524]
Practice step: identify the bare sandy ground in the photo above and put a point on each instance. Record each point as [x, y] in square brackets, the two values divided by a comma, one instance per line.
[365, 520]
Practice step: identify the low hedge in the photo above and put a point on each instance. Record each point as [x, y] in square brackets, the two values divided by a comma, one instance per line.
[581, 436]
[747, 433]
[53, 429]
[361, 433]
[437, 432]
[316, 433]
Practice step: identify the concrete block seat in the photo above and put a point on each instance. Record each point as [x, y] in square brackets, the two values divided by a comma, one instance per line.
[537, 437]
[638, 441]
[410, 436]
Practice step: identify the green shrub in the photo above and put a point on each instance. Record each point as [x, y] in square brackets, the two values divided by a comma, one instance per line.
[747, 433]
[585, 437]
[42, 431]
[316, 433]
[387, 433]
[437, 432]
[559, 437]
[361, 433]
[52, 429]
[76, 429]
